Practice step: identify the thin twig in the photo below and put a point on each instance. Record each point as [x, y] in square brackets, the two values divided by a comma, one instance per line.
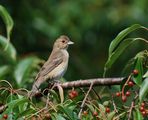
[128, 79]
[130, 111]
[114, 105]
[97, 94]
[132, 106]
[82, 105]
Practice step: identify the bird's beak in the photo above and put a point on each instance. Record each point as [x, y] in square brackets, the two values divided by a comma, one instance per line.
[70, 43]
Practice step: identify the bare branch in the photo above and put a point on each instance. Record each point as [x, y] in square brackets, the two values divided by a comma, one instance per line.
[95, 81]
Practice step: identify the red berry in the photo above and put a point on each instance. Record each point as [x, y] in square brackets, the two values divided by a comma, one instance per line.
[135, 72]
[5, 116]
[144, 113]
[95, 113]
[118, 94]
[85, 112]
[107, 109]
[141, 109]
[71, 96]
[128, 93]
[130, 83]
[124, 98]
[74, 92]
[143, 104]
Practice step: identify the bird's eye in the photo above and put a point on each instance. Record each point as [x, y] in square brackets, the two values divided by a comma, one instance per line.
[63, 41]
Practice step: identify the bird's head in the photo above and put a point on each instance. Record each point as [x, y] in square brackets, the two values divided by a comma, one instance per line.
[62, 42]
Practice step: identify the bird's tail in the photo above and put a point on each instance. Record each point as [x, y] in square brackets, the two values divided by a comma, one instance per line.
[35, 88]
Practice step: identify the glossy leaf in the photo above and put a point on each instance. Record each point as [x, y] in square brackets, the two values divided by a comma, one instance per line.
[111, 115]
[5, 69]
[56, 116]
[17, 102]
[7, 20]
[138, 78]
[145, 75]
[55, 95]
[137, 115]
[115, 55]
[69, 113]
[143, 89]
[10, 52]
[102, 108]
[25, 113]
[115, 43]
[23, 68]
[91, 108]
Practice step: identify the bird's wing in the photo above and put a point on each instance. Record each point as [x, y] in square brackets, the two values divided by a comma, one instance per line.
[53, 61]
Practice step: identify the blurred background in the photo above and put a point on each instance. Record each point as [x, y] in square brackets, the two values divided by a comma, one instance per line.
[90, 24]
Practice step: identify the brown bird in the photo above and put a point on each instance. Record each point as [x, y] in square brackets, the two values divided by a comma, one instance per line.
[56, 65]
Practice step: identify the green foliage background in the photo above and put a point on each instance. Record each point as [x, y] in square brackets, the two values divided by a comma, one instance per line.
[91, 24]
[102, 32]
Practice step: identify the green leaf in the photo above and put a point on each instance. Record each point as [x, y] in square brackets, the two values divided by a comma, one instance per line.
[24, 67]
[111, 115]
[69, 113]
[145, 75]
[10, 52]
[7, 20]
[5, 69]
[114, 44]
[139, 66]
[119, 50]
[55, 95]
[91, 108]
[56, 116]
[137, 115]
[115, 55]
[102, 108]
[143, 90]
[25, 113]
[17, 102]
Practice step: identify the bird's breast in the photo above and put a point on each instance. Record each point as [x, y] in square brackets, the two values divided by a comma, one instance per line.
[60, 70]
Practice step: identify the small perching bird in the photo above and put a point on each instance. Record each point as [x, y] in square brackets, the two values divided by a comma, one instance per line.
[56, 65]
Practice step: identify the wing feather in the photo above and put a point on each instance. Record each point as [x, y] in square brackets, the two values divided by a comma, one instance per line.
[55, 59]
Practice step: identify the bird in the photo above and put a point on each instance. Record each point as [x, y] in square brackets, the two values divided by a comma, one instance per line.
[56, 65]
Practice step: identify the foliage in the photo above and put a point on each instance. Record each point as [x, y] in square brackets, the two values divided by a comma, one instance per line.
[90, 24]
[65, 105]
